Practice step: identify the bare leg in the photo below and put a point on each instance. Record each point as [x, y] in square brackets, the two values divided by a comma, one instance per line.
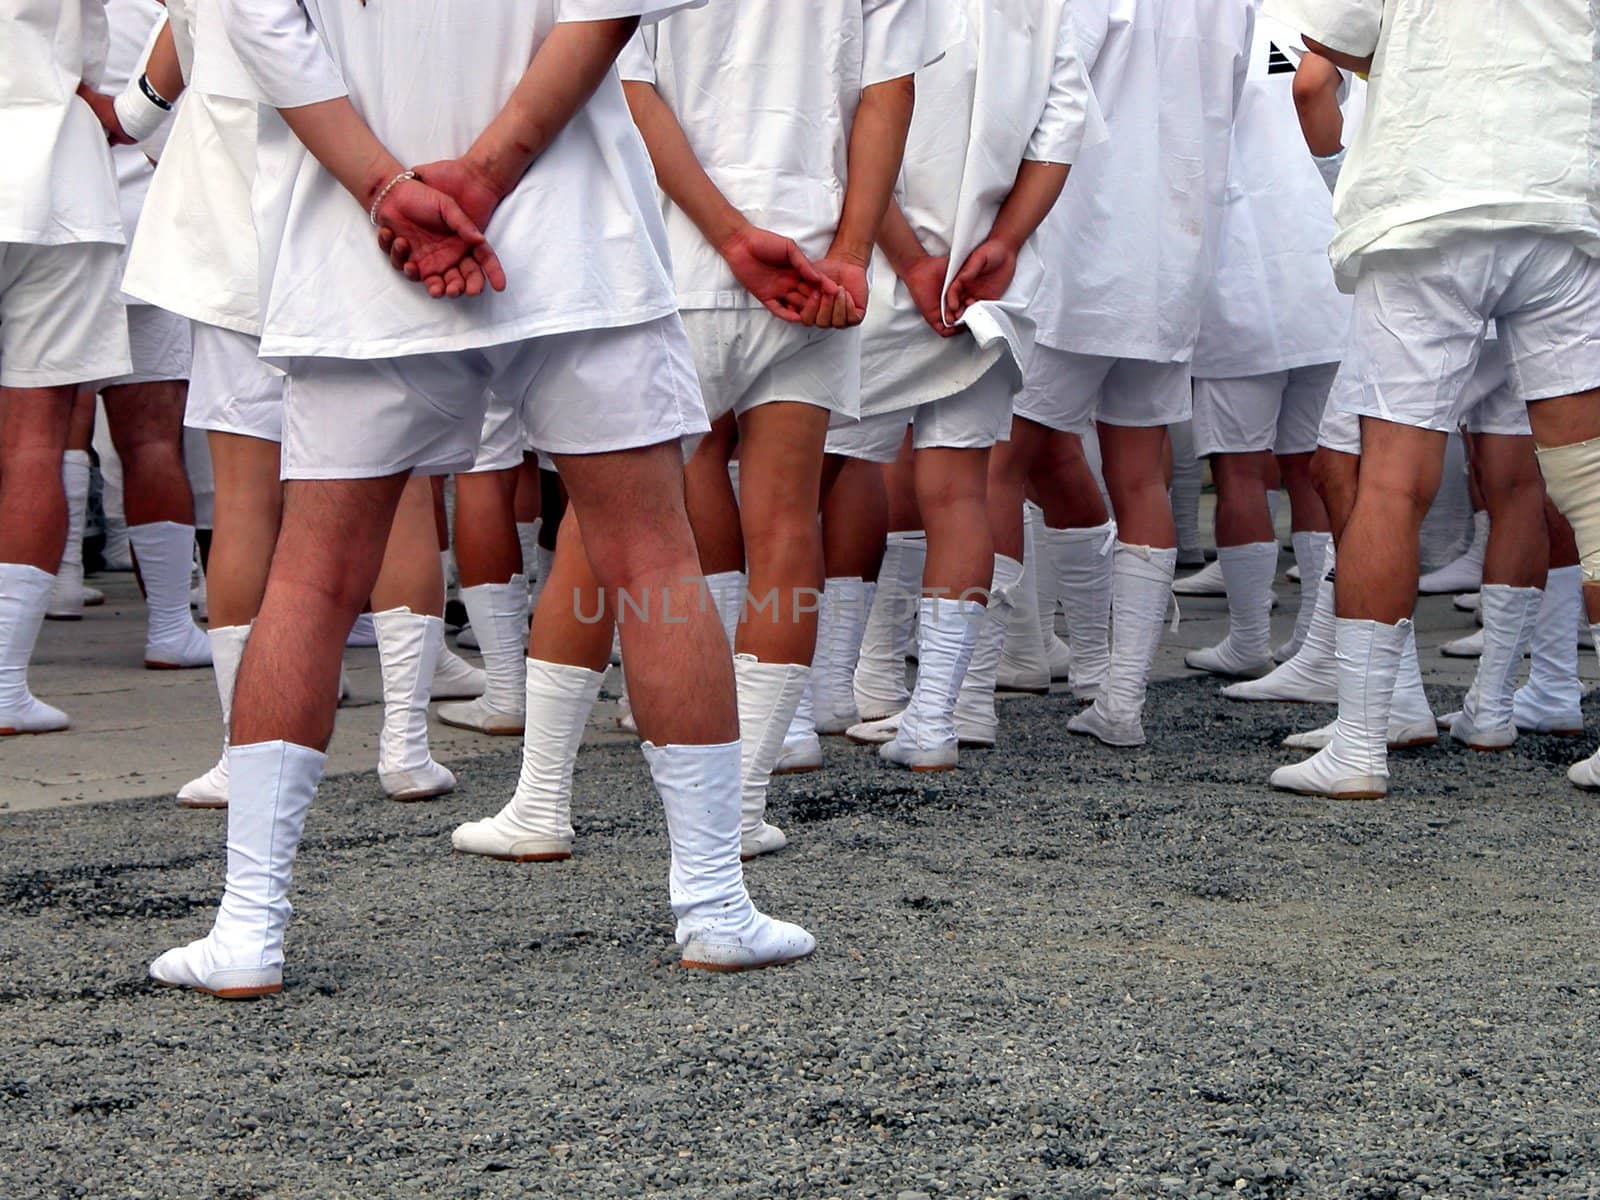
[327, 561]
[1378, 571]
[1518, 554]
[855, 518]
[900, 486]
[1243, 517]
[249, 508]
[637, 539]
[1133, 465]
[1063, 485]
[146, 424]
[1011, 464]
[1307, 512]
[487, 550]
[33, 504]
[952, 492]
[712, 505]
[572, 624]
[1335, 475]
[410, 576]
[781, 459]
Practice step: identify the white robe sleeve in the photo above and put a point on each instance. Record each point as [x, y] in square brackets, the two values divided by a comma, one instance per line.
[609, 10]
[637, 62]
[282, 51]
[903, 36]
[1091, 21]
[96, 41]
[1241, 65]
[1071, 117]
[1349, 26]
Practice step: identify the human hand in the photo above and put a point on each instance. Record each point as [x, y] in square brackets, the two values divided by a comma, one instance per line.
[773, 270]
[924, 279]
[986, 275]
[849, 306]
[434, 242]
[105, 111]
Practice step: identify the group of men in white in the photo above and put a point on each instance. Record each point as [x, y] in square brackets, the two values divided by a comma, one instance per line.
[855, 331]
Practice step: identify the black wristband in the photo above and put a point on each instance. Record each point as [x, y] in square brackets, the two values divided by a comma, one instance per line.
[154, 96]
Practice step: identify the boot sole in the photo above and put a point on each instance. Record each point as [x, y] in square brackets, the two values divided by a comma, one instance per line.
[520, 858]
[224, 993]
[1415, 744]
[730, 969]
[499, 731]
[150, 665]
[1021, 691]
[203, 805]
[7, 731]
[1277, 700]
[933, 770]
[416, 797]
[1330, 796]
[796, 770]
[63, 616]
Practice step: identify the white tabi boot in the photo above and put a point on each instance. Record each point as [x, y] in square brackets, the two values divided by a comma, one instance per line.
[947, 634]
[842, 624]
[1024, 665]
[718, 926]
[1465, 574]
[242, 957]
[408, 644]
[1310, 557]
[67, 596]
[24, 592]
[454, 678]
[1411, 720]
[1246, 652]
[1207, 581]
[536, 824]
[227, 649]
[1487, 720]
[802, 748]
[528, 542]
[1141, 593]
[1082, 560]
[1355, 764]
[976, 720]
[769, 693]
[165, 553]
[1311, 676]
[498, 612]
[1551, 702]
[880, 679]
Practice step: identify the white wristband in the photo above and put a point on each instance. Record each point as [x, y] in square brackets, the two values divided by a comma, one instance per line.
[139, 115]
[1330, 167]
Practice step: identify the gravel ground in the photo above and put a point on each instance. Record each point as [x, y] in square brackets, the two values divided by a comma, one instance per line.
[1062, 972]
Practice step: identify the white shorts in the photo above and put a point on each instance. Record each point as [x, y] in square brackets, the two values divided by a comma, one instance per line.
[973, 419]
[1488, 404]
[61, 322]
[230, 389]
[1278, 412]
[746, 357]
[501, 442]
[591, 392]
[1421, 316]
[1069, 392]
[159, 344]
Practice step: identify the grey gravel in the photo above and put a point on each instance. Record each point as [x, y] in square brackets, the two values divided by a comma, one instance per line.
[1062, 972]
